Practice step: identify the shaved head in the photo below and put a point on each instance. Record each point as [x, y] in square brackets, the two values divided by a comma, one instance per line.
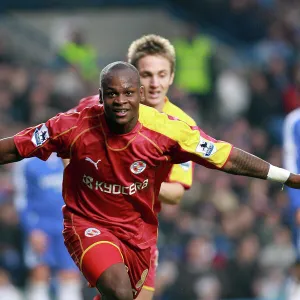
[108, 71]
[121, 93]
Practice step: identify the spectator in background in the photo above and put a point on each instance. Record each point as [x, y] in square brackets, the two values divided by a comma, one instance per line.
[278, 74]
[20, 88]
[7, 290]
[270, 285]
[195, 272]
[38, 199]
[10, 238]
[39, 100]
[291, 152]
[194, 70]
[266, 106]
[6, 56]
[263, 102]
[223, 197]
[280, 253]
[292, 288]
[275, 44]
[80, 55]
[6, 101]
[241, 271]
[233, 94]
[291, 95]
[269, 225]
[243, 20]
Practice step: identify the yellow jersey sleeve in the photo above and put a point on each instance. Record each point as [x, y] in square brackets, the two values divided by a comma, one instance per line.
[182, 143]
[180, 173]
[196, 145]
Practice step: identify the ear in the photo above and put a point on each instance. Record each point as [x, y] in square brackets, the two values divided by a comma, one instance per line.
[142, 93]
[100, 96]
[171, 78]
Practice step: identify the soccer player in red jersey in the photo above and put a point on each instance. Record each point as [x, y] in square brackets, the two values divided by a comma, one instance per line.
[120, 153]
[154, 57]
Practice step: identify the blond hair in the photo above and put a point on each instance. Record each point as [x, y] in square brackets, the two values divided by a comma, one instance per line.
[151, 44]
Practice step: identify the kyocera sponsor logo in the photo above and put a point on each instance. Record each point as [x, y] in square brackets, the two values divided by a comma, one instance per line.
[112, 188]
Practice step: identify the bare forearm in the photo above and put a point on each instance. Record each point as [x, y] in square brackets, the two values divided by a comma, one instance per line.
[246, 164]
[8, 151]
[171, 193]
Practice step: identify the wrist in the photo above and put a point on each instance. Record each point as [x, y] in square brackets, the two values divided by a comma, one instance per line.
[278, 174]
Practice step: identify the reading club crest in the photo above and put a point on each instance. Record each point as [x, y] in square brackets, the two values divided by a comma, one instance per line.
[138, 167]
[91, 232]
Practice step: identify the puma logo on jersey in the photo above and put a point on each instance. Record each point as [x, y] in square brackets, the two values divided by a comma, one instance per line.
[94, 163]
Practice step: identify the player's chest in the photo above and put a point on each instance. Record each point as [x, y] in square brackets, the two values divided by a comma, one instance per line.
[127, 158]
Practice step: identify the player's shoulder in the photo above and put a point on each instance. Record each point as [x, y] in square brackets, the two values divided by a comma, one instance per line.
[173, 110]
[85, 102]
[92, 110]
[88, 108]
[163, 123]
[88, 101]
[67, 121]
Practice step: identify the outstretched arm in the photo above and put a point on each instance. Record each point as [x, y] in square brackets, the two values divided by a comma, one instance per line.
[8, 151]
[246, 164]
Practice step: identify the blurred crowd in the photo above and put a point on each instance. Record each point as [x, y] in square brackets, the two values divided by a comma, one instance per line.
[230, 238]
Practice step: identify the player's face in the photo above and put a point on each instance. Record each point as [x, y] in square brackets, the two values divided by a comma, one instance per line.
[156, 77]
[121, 94]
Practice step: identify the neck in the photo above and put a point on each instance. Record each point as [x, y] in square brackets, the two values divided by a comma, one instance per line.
[159, 107]
[121, 128]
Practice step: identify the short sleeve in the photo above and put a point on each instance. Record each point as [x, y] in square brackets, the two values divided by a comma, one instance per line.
[53, 136]
[182, 173]
[195, 145]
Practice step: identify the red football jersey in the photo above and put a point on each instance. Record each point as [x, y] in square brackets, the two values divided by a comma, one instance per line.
[114, 180]
[179, 173]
